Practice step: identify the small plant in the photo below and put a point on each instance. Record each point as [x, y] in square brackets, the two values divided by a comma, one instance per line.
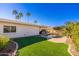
[3, 41]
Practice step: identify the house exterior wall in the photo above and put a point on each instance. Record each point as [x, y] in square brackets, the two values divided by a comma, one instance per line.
[21, 30]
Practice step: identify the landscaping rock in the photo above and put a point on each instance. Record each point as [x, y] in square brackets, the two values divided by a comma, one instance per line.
[10, 49]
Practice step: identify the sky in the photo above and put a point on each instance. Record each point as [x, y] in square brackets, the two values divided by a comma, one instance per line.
[48, 14]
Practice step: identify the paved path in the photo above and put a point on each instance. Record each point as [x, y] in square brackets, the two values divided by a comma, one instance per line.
[71, 47]
[58, 40]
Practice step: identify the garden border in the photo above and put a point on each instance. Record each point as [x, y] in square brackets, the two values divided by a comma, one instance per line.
[13, 53]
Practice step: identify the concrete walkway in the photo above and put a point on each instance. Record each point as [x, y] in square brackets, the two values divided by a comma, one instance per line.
[58, 40]
[71, 48]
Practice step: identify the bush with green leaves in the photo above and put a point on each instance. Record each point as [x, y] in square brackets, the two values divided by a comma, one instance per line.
[72, 30]
[3, 41]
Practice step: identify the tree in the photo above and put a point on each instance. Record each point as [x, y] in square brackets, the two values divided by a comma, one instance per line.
[69, 26]
[17, 15]
[28, 15]
[20, 15]
[14, 12]
[58, 27]
[35, 21]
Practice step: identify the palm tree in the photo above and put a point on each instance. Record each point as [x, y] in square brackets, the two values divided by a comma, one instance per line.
[17, 17]
[14, 12]
[35, 21]
[28, 15]
[20, 15]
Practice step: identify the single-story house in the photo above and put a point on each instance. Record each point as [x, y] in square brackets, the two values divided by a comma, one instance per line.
[14, 29]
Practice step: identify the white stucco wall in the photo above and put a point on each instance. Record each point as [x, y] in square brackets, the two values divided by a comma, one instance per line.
[21, 30]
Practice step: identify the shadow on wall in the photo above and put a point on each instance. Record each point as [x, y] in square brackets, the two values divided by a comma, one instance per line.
[26, 41]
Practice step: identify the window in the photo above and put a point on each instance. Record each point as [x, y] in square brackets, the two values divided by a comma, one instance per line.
[8, 29]
[13, 28]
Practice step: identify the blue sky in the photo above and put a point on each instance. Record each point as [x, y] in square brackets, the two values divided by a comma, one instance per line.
[46, 14]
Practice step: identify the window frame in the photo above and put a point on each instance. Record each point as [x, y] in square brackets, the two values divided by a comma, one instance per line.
[10, 29]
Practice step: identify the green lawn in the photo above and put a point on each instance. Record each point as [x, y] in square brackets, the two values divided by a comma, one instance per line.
[38, 46]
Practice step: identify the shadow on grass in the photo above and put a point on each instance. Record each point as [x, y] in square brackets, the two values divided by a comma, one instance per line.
[25, 41]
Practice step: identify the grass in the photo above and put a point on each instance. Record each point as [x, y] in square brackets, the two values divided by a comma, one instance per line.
[38, 46]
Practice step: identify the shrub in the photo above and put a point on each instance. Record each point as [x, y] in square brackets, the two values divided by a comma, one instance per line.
[72, 30]
[3, 41]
